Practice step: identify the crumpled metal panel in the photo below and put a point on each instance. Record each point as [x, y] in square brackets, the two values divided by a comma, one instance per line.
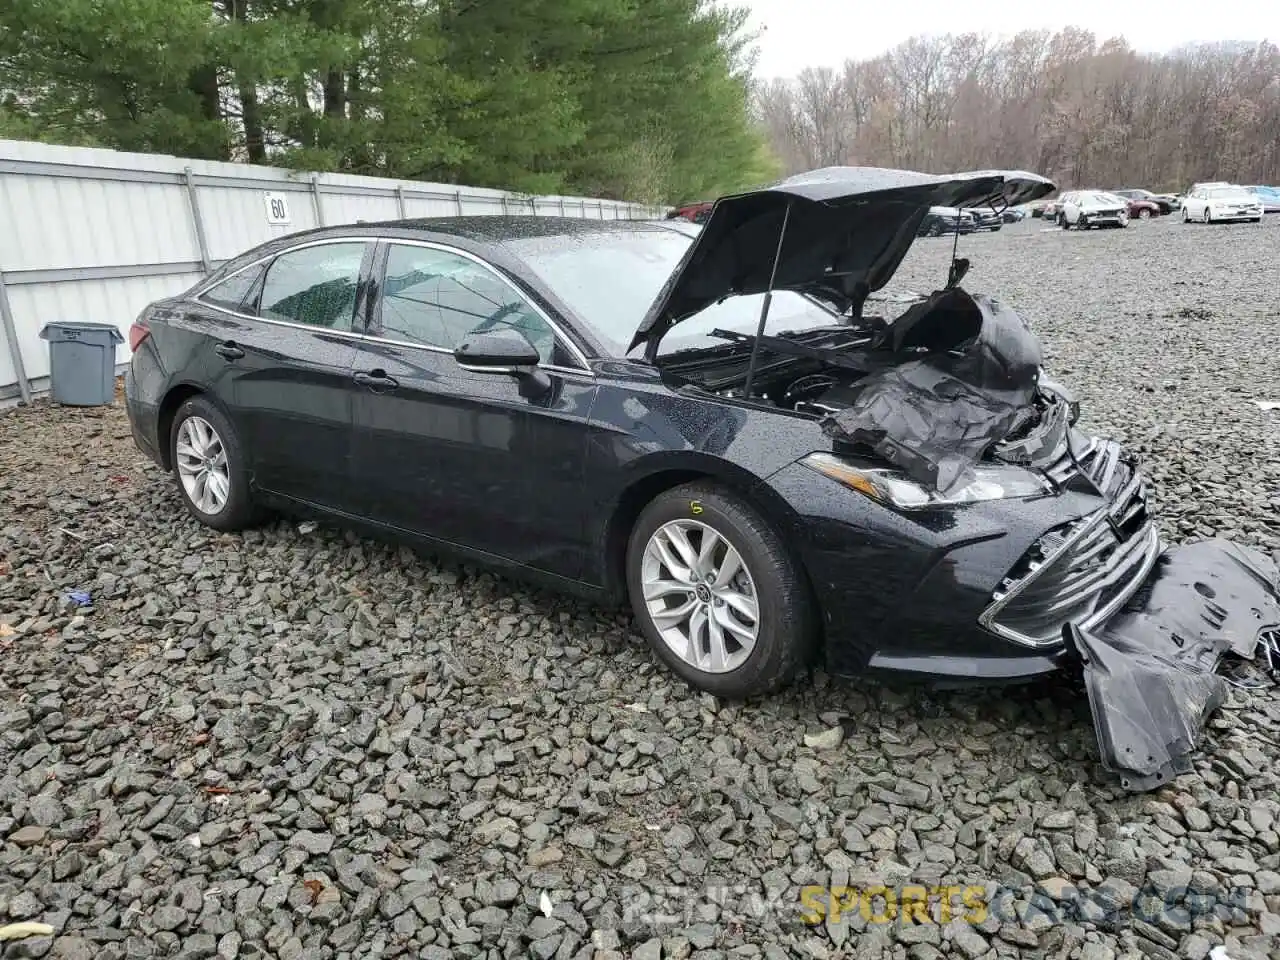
[935, 417]
[1150, 669]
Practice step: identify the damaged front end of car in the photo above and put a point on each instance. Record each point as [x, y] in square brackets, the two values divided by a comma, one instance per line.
[948, 405]
[1148, 627]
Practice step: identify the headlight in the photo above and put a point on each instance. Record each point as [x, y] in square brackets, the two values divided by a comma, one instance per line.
[893, 488]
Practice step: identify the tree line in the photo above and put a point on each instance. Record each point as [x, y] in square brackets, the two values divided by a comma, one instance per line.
[643, 100]
[1083, 112]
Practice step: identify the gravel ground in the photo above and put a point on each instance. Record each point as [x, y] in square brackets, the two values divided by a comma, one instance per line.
[297, 743]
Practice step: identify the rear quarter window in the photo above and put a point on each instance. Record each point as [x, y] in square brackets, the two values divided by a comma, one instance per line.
[232, 293]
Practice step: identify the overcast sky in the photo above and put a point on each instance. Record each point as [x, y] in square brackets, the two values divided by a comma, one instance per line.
[802, 33]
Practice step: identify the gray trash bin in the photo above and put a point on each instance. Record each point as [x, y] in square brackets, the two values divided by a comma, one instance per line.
[82, 362]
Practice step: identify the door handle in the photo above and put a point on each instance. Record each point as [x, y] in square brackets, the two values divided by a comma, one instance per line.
[228, 351]
[375, 380]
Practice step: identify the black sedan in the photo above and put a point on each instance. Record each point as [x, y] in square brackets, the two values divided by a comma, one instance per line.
[947, 221]
[713, 424]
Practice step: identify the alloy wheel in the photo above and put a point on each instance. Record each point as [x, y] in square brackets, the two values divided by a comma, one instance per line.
[202, 465]
[700, 596]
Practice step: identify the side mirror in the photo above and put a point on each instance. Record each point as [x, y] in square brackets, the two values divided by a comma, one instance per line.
[503, 350]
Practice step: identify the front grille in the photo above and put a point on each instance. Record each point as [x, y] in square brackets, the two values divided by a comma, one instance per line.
[1082, 571]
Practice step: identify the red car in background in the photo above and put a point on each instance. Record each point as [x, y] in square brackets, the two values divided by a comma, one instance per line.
[693, 212]
[1140, 208]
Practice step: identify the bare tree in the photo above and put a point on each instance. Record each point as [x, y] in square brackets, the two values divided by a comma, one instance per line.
[1085, 111]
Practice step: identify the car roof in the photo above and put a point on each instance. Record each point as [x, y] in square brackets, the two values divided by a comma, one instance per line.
[499, 228]
[480, 234]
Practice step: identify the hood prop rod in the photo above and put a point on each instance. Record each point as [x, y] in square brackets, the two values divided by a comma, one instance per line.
[764, 307]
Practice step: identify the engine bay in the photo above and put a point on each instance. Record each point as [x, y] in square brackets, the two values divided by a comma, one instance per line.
[954, 379]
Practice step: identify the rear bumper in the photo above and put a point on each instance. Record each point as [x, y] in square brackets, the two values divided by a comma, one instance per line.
[143, 419]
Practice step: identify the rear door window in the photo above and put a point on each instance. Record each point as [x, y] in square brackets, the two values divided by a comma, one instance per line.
[315, 286]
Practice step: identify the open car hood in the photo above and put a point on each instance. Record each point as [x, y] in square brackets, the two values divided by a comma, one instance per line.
[847, 230]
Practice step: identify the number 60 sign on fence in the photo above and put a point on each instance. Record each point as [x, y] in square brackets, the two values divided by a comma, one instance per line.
[277, 208]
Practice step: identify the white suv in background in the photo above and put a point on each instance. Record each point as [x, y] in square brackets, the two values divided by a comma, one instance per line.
[1211, 204]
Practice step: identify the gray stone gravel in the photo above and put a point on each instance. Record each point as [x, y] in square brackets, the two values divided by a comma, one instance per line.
[290, 744]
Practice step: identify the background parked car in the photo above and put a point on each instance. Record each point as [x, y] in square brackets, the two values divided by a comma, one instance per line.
[988, 218]
[693, 212]
[940, 221]
[1140, 200]
[1218, 203]
[1083, 209]
[1269, 196]
[1053, 208]
[1038, 209]
[1014, 214]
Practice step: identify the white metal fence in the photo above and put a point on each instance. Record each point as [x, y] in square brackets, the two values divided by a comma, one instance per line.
[97, 234]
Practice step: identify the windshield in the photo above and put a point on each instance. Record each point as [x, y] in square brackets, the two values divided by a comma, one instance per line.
[611, 279]
[1230, 193]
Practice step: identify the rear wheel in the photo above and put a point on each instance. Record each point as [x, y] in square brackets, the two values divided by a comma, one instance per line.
[717, 594]
[1062, 219]
[209, 464]
[1205, 218]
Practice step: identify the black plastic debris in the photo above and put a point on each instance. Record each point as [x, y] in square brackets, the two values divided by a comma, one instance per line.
[973, 381]
[1151, 670]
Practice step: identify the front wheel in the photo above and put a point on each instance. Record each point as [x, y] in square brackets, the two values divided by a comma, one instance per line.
[1186, 217]
[1144, 214]
[1205, 218]
[209, 464]
[717, 594]
[1063, 220]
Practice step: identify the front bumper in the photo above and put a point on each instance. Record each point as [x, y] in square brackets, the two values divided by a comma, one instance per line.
[1084, 570]
[1224, 215]
[1007, 591]
[1103, 219]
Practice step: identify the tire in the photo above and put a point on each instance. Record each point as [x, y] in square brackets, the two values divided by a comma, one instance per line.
[935, 230]
[1206, 218]
[1063, 220]
[1186, 217]
[785, 624]
[236, 510]
[1144, 214]
[1255, 220]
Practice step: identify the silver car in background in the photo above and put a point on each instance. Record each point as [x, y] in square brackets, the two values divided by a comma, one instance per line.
[1093, 208]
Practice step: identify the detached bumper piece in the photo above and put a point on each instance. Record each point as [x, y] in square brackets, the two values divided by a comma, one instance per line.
[1151, 669]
